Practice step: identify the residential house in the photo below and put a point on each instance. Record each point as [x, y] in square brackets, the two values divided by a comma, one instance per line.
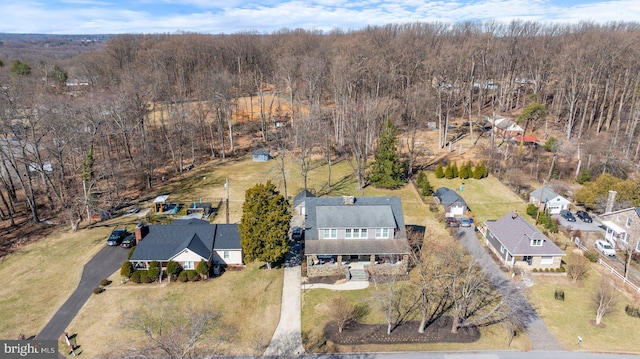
[547, 200]
[299, 201]
[622, 227]
[519, 243]
[531, 141]
[452, 202]
[187, 241]
[504, 127]
[351, 235]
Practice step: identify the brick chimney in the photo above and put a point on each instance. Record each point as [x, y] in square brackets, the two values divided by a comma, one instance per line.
[611, 200]
[141, 230]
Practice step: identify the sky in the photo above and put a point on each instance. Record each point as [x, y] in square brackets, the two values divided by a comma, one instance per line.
[266, 16]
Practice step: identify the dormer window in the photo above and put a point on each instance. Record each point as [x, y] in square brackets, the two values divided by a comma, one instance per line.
[536, 242]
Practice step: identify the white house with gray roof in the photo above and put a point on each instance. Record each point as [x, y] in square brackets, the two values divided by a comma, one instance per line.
[187, 242]
[548, 200]
[343, 231]
[519, 243]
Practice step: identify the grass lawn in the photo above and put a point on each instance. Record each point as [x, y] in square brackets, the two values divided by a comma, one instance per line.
[248, 300]
[571, 318]
[314, 316]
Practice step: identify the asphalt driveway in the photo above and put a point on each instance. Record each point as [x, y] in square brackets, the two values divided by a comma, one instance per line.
[102, 265]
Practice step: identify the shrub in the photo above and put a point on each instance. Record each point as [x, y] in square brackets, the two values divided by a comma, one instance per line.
[192, 275]
[632, 311]
[546, 270]
[126, 270]
[559, 294]
[154, 271]
[105, 282]
[535, 270]
[532, 210]
[173, 269]
[439, 171]
[182, 277]
[591, 256]
[98, 290]
[203, 269]
[561, 269]
[135, 276]
[145, 277]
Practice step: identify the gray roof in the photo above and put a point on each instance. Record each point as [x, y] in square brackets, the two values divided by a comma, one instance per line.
[355, 217]
[301, 197]
[515, 233]
[356, 247]
[227, 237]
[364, 205]
[548, 194]
[164, 242]
[449, 197]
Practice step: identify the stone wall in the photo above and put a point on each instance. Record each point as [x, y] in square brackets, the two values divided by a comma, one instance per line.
[324, 270]
[387, 269]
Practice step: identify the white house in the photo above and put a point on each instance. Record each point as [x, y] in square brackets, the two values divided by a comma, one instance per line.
[549, 200]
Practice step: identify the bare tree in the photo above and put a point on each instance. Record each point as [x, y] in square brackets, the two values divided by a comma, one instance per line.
[604, 299]
[577, 266]
[345, 314]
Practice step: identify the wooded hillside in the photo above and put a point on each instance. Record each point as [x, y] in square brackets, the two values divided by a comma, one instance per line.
[96, 130]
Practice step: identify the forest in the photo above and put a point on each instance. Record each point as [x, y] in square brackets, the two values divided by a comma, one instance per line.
[93, 130]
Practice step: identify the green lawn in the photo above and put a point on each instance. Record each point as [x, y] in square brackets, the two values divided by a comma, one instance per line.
[571, 318]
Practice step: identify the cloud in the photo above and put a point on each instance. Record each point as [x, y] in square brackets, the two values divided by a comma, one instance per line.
[229, 16]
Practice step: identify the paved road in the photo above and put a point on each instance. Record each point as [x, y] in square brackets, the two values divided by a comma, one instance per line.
[539, 334]
[478, 355]
[102, 265]
[287, 339]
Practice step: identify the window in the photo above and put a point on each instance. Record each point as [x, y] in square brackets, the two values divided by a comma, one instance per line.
[347, 233]
[363, 233]
[330, 233]
[382, 232]
[628, 221]
[226, 255]
[546, 260]
[187, 265]
[536, 242]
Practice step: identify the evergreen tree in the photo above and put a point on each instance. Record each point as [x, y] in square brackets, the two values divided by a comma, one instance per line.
[173, 268]
[422, 182]
[448, 171]
[454, 170]
[126, 269]
[439, 171]
[264, 226]
[585, 176]
[387, 169]
[465, 170]
[203, 269]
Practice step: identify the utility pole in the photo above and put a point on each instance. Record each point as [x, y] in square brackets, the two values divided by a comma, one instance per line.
[226, 186]
[544, 183]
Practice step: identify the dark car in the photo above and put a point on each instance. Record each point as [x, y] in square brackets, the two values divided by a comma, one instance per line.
[297, 233]
[566, 214]
[451, 222]
[116, 237]
[584, 216]
[128, 242]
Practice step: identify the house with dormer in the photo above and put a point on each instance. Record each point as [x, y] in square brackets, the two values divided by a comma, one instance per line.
[347, 234]
[520, 244]
[187, 242]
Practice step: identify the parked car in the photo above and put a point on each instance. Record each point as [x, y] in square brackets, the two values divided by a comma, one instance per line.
[566, 214]
[451, 222]
[464, 222]
[128, 242]
[297, 234]
[584, 216]
[605, 248]
[116, 237]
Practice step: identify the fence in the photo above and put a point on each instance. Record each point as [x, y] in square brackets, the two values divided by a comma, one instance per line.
[610, 268]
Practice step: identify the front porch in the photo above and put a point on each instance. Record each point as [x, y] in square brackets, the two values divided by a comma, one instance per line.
[355, 267]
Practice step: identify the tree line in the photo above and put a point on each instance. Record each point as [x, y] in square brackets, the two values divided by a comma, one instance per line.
[146, 106]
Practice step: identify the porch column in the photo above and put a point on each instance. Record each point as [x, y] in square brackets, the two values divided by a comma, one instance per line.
[339, 260]
[372, 258]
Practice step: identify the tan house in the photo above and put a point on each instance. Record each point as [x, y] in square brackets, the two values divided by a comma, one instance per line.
[622, 227]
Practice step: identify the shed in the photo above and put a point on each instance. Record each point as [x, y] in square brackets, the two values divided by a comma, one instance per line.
[260, 155]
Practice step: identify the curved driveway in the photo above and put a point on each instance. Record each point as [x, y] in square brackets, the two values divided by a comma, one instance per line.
[101, 266]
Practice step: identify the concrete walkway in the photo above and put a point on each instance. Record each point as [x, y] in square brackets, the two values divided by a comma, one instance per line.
[539, 335]
[349, 285]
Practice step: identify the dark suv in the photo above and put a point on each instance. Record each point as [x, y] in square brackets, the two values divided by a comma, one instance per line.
[116, 237]
[451, 222]
[584, 216]
[297, 234]
[566, 214]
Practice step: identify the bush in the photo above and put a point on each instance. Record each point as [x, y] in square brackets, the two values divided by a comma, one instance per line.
[591, 256]
[559, 294]
[154, 271]
[632, 311]
[535, 270]
[145, 277]
[192, 275]
[126, 270]
[203, 269]
[546, 270]
[135, 276]
[173, 269]
[98, 290]
[182, 277]
[105, 282]
[439, 171]
[532, 210]
[561, 269]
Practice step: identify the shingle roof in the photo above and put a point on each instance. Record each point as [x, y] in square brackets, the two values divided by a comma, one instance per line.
[355, 247]
[301, 197]
[227, 237]
[363, 206]
[548, 194]
[355, 217]
[515, 234]
[448, 197]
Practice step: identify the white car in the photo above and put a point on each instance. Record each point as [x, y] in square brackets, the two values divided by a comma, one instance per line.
[605, 248]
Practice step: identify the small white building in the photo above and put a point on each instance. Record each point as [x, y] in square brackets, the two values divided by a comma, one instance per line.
[549, 200]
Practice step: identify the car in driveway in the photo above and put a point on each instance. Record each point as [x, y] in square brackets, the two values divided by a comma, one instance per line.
[297, 234]
[584, 216]
[566, 214]
[605, 248]
[128, 242]
[451, 222]
[464, 222]
[116, 237]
